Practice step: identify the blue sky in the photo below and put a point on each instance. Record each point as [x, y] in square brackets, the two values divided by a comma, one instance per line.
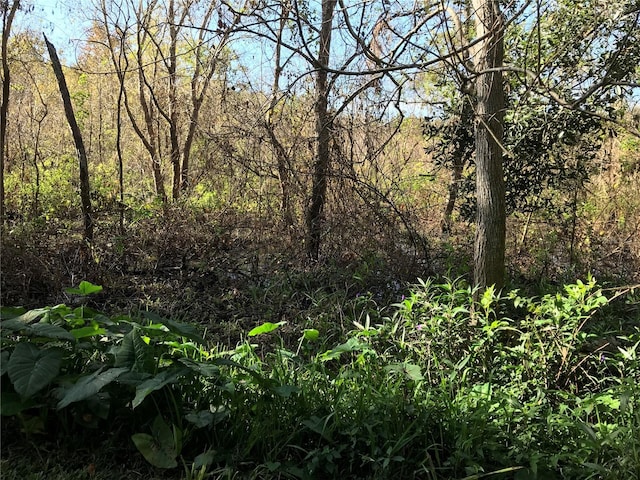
[61, 20]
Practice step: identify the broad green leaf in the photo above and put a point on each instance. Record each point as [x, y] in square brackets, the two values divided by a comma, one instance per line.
[414, 372]
[266, 327]
[134, 353]
[51, 331]
[133, 379]
[11, 312]
[201, 419]
[487, 297]
[158, 449]
[19, 322]
[206, 369]
[178, 328]
[85, 288]
[88, 331]
[37, 329]
[204, 459]
[156, 383]
[311, 334]
[319, 425]
[153, 452]
[351, 345]
[31, 369]
[89, 385]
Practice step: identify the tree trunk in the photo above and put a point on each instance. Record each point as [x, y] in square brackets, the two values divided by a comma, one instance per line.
[77, 138]
[173, 104]
[323, 133]
[7, 20]
[282, 158]
[489, 247]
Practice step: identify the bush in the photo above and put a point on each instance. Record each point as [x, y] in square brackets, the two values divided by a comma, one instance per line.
[447, 383]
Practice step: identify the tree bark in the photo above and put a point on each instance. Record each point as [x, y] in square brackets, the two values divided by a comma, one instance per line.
[77, 138]
[489, 246]
[323, 133]
[7, 20]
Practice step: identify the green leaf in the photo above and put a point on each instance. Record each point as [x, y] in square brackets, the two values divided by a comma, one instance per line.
[160, 449]
[88, 331]
[178, 328]
[134, 353]
[204, 459]
[85, 288]
[201, 419]
[411, 371]
[31, 369]
[51, 331]
[11, 312]
[19, 322]
[311, 334]
[206, 369]
[45, 330]
[156, 383]
[351, 345]
[89, 385]
[266, 327]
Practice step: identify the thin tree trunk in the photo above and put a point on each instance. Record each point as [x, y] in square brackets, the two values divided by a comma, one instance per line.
[121, 99]
[173, 103]
[77, 138]
[323, 133]
[197, 98]
[461, 157]
[7, 20]
[150, 142]
[489, 247]
[282, 158]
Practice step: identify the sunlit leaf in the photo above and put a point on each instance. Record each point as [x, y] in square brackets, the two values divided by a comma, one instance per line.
[179, 328]
[311, 334]
[266, 327]
[85, 288]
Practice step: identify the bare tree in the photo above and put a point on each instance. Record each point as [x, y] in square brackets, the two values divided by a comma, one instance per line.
[323, 133]
[77, 138]
[161, 43]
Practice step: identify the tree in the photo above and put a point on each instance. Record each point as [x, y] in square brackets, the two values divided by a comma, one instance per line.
[158, 39]
[323, 133]
[489, 247]
[77, 138]
[8, 14]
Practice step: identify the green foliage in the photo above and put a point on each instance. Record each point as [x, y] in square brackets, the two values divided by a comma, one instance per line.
[446, 383]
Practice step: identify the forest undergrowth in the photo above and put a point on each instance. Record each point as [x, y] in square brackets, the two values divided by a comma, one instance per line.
[194, 350]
